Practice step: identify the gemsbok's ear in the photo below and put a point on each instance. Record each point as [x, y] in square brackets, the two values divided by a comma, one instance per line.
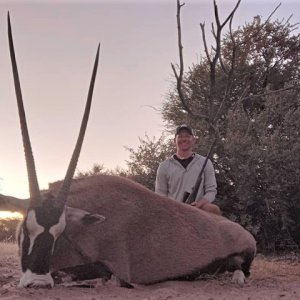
[91, 219]
[82, 217]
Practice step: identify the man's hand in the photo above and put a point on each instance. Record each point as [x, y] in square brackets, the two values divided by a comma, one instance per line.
[207, 206]
[200, 203]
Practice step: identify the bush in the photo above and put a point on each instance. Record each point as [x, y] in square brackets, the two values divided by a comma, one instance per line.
[8, 229]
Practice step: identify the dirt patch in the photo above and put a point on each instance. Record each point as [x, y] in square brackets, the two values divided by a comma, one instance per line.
[271, 278]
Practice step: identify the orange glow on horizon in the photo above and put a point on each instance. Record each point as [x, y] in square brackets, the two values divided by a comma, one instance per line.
[10, 215]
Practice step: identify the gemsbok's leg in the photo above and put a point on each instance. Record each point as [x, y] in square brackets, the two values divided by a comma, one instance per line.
[236, 265]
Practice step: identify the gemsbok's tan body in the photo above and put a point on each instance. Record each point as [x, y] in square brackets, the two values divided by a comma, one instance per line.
[118, 226]
[140, 236]
[146, 238]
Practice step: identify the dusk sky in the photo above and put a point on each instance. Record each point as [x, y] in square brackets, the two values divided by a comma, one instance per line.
[56, 43]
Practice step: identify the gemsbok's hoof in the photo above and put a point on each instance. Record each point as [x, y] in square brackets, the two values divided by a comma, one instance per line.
[238, 277]
[36, 281]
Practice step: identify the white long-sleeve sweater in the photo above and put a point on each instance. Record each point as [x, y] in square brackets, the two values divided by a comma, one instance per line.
[173, 180]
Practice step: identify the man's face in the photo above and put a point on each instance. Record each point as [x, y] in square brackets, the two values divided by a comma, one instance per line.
[184, 140]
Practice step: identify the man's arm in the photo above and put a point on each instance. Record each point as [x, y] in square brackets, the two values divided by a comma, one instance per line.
[161, 184]
[205, 186]
[210, 191]
[210, 183]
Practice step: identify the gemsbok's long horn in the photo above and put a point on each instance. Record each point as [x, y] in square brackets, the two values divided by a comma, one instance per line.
[35, 196]
[64, 190]
[34, 191]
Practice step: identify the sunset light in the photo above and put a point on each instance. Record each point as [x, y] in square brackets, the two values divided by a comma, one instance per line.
[10, 215]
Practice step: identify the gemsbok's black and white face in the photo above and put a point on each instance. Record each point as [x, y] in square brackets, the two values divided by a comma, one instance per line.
[45, 220]
[38, 233]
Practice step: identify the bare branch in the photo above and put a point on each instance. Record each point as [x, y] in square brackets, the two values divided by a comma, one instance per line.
[179, 77]
[216, 14]
[294, 87]
[213, 30]
[230, 72]
[217, 57]
[180, 47]
[179, 90]
[233, 58]
[272, 13]
[175, 72]
[202, 25]
[231, 14]
[220, 27]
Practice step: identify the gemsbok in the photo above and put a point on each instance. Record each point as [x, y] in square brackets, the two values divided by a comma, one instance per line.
[115, 226]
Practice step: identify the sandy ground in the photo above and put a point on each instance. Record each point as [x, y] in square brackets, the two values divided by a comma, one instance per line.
[271, 278]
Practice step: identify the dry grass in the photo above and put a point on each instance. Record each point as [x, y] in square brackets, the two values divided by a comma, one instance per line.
[8, 249]
[278, 266]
